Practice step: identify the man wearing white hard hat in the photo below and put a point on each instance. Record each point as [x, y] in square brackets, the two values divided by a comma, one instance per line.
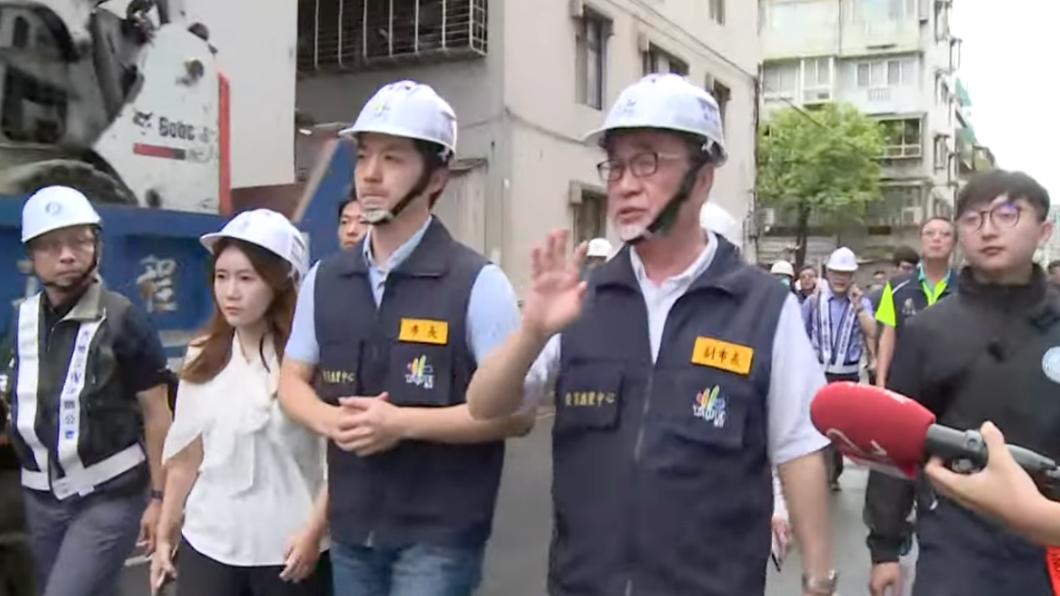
[842, 328]
[682, 372]
[784, 272]
[395, 327]
[89, 403]
[597, 253]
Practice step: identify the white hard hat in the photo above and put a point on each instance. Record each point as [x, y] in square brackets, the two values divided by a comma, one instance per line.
[782, 268]
[842, 259]
[411, 110]
[599, 247]
[671, 102]
[721, 222]
[269, 230]
[55, 207]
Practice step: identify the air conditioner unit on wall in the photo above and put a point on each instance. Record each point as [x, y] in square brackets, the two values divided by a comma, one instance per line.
[817, 96]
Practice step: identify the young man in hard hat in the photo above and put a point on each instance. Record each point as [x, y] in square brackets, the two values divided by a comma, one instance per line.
[988, 352]
[89, 409]
[683, 374]
[395, 327]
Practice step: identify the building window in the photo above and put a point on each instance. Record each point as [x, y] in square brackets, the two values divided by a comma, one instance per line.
[817, 72]
[355, 35]
[590, 216]
[867, 11]
[902, 138]
[717, 11]
[942, 152]
[657, 60]
[898, 205]
[591, 38]
[894, 72]
[781, 80]
[722, 95]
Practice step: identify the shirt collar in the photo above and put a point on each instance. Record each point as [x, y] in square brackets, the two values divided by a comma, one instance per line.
[923, 276]
[86, 307]
[402, 251]
[687, 276]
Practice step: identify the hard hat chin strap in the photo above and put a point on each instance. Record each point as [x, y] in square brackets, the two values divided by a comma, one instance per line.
[391, 214]
[664, 221]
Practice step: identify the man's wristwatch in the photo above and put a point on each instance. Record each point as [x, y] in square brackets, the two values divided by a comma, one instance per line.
[156, 495]
[822, 586]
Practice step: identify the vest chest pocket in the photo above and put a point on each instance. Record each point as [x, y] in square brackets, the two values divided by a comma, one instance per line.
[420, 375]
[588, 397]
[698, 415]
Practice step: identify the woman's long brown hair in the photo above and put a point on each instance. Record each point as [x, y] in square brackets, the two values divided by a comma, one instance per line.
[215, 343]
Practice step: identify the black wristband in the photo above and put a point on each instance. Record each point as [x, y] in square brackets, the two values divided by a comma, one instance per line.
[156, 495]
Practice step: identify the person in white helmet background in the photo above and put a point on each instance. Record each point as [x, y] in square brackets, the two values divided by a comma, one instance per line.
[597, 253]
[89, 405]
[395, 327]
[682, 374]
[842, 328]
[233, 458]
[784, 273]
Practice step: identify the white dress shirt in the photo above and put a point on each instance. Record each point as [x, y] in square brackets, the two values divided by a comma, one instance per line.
[261, 472]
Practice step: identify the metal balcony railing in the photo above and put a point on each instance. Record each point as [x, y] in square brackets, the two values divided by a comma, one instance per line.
[353, 35]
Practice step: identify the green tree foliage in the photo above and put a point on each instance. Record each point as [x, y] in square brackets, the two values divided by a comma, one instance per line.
[823, 163]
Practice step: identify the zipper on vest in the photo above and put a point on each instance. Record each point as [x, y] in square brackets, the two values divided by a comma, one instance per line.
[638, 447]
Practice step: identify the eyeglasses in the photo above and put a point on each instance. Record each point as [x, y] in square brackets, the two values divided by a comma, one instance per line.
[55, 246]
[1002, 217]
[640, 165]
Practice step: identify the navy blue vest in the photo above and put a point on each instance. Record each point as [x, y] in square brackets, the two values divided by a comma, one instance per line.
[418, 492]
[661, 476]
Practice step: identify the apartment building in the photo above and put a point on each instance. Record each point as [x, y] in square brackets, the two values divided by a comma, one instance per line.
[895, 60]
[527, 79]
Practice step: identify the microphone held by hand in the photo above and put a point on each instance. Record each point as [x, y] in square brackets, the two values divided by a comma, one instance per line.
[896, 435]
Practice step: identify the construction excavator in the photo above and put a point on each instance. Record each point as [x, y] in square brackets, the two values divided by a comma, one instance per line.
[124, 103]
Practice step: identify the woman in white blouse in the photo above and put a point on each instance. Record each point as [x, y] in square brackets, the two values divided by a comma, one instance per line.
[245, 494]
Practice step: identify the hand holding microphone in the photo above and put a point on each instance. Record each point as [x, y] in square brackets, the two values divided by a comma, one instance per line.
[894, 434]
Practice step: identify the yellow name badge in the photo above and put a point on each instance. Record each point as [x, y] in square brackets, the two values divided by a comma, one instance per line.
[723, 355]
[424, 331]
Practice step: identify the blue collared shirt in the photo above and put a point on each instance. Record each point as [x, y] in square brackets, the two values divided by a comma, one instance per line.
[492, 312]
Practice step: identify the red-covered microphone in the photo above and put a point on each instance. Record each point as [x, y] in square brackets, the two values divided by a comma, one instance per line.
[893, 434]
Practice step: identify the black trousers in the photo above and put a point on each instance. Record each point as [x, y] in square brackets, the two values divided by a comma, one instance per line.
[199, 575]
[833, 457]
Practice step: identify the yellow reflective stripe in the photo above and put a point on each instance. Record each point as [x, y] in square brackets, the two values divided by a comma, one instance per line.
[934, 295]
[885, 314]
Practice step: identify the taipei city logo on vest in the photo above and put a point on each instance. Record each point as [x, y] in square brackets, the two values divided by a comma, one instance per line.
[420, 373]
[710, 406]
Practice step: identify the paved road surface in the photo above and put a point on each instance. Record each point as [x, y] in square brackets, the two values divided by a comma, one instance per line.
[517, 557]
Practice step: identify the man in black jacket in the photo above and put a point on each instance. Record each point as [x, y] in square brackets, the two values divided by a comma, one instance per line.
[990, 353]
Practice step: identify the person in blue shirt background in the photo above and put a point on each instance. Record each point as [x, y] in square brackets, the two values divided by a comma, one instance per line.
[842, 329]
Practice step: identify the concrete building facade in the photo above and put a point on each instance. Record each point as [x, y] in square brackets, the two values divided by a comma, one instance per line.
[895, 60]
[527, 80]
